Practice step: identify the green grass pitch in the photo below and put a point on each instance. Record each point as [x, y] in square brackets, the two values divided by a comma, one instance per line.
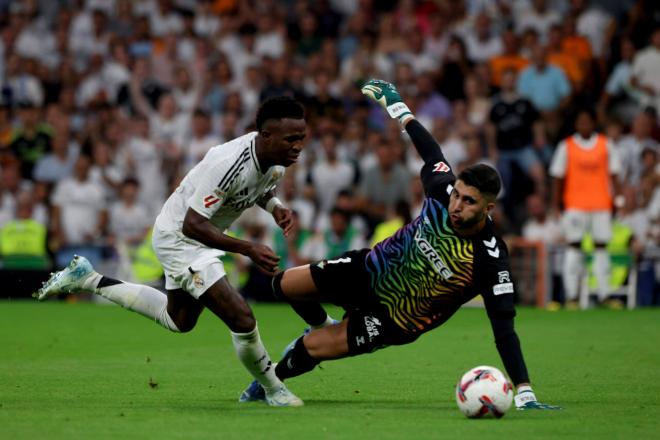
[83, 371]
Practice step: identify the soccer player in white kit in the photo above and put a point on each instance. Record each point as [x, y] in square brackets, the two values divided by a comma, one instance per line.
[189, 239]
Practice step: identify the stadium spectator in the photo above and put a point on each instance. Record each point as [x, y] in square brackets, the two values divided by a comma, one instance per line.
[539, 18]
[631, 146]
[510, 58]
[32, 138]
[21, 84]
[619, 99]
[514, 135]
[482, 44]
[585, 160]
[383, 184]
[201, 141]
[129, 221]
[569, 62]
[476, 100]
[546, 87]
[646, 72]
[23, 240]
[58, 164]
[330, 175]
[79, 215]
[431, 103]
[455, 67]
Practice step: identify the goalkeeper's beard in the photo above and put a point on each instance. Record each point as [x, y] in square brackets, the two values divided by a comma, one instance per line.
[469, 223]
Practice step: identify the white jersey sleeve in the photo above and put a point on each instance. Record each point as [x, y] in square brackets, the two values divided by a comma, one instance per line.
[213, 187]
[559, 160]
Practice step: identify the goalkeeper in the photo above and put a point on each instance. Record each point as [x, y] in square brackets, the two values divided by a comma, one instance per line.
[415, 280]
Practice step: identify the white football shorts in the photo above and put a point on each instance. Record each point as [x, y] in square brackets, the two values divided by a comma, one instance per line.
[188, 264]
[577, 223]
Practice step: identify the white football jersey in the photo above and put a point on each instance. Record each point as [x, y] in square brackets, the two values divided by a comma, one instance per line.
[226, 182]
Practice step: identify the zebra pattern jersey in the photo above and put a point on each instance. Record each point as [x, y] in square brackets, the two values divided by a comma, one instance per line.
[424, 272]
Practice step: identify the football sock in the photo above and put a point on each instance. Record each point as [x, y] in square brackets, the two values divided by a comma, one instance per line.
[296, 362]
[311, 312]
[252, 354]
[602, 272]
[328, 321]
[144, 300]
[571, 272]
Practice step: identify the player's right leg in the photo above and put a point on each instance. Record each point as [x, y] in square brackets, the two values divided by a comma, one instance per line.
[176, 311]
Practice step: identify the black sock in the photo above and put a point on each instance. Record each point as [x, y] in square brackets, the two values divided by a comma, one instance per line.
[311, 312]
[296, 362]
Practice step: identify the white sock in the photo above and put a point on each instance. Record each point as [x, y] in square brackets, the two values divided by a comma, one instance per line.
[144, 300]
[254, 357]
[602, 272]
[328, 321]
[571, 272]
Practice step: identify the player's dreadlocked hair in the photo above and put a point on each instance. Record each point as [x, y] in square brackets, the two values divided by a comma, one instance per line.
[482, 177]
[280, 107]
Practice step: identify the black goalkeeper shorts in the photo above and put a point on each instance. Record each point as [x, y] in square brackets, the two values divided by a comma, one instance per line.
[346, 280]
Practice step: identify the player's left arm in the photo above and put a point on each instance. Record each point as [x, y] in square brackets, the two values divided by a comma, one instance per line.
[436, 173]
[498, 292]
[281, 214]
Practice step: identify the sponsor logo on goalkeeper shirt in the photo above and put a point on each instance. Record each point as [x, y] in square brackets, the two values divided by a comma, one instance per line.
[441, 167]
[431, 255]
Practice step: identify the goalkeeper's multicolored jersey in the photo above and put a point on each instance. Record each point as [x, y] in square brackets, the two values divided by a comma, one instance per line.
[424, 272]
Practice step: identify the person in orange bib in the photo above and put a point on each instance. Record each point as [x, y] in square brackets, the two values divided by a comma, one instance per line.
[585, 169]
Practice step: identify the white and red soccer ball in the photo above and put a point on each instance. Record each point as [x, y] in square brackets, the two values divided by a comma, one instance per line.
[484, 391]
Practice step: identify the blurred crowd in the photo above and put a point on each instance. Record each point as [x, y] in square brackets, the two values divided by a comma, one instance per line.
[106, 104]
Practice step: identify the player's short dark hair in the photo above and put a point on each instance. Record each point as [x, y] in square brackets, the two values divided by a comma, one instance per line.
[483, 177]
[280, 107]
[589, 111]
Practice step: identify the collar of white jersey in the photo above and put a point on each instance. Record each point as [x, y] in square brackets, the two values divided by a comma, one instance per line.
[253, 154]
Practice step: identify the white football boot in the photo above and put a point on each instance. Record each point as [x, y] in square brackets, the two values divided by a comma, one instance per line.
[71, 279]
[281, 396]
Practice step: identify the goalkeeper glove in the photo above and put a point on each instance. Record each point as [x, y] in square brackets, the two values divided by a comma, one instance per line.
[386, 95]
[525, 399]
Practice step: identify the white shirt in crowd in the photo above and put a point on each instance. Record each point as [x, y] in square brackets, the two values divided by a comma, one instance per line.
[196, 149]
[147, 160]
[226, 182]
[127, 222]
[80, 205]
[328, 179]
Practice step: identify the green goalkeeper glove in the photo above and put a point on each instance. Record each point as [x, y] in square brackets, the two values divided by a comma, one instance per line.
[386, 95]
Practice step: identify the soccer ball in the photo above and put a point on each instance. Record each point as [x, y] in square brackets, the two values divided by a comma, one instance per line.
[484, 391]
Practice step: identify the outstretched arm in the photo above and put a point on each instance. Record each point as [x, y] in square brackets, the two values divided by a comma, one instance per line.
[498, 293]
[436, 173]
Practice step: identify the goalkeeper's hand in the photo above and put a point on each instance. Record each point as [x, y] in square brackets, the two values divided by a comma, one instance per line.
[525, 399]
[386, 95]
